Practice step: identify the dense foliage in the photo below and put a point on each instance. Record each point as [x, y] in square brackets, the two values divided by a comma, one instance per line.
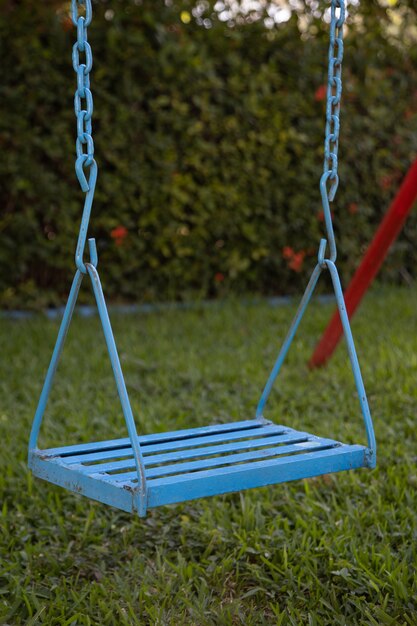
[209, 144]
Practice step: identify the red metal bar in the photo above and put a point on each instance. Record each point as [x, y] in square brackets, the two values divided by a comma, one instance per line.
[386, 234]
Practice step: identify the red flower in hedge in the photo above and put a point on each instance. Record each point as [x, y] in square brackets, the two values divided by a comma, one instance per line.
[386, 182]
[219, 277]
[321, 93]
[295, 259]
[296, 263]
[353, 208]
[287, 252]
[119, 234]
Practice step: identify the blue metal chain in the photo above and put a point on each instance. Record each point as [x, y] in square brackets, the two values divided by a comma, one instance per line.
[83, 107]
[330, 176]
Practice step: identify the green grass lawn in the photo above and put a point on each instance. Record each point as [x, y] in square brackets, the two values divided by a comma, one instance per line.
[340, 549]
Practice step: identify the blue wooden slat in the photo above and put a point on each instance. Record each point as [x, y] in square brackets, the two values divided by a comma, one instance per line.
[293, 437]
[242, 457]
[98, 455]
[157, 437]
[184, 487]
[91, 486]
[178, 444]
[193, 452]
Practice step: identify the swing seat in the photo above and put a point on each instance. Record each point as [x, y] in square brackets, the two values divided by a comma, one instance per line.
[142, 472]
[194, 463]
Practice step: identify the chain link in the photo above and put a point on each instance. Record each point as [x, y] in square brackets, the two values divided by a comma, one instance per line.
[87, 8]
[331, 142]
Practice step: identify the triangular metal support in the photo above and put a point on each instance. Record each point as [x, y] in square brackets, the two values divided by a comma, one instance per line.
[363, 401]
[140, 495]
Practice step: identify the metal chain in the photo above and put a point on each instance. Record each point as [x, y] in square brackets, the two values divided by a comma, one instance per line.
[82, 70]
[331, 143]
[83, 107]
[84, 124]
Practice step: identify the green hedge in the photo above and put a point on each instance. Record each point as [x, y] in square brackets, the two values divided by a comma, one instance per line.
[209, 145]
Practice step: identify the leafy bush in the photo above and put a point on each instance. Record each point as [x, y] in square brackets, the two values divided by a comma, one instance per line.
[209, 145]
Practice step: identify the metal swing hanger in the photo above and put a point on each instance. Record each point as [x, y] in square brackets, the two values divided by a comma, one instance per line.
[141, 472]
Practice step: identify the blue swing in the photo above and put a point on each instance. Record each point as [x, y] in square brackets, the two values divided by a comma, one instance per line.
[140, 472]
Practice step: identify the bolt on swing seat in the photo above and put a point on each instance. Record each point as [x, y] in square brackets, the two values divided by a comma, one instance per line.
[141, 472]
